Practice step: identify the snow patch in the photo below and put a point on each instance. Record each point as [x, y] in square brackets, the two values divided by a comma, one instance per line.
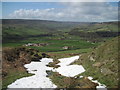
[81, 77]
[69, 70]
[67, 61]
[39, 80]
[101, 86]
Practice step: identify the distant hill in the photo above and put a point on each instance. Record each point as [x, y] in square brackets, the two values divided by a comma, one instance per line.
[102, 63]
[96, 31]
[39, 24]
[19, 29]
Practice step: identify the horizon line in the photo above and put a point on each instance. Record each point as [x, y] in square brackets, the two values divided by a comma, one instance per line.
[61, 21]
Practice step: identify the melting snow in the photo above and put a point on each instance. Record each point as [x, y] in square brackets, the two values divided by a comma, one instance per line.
[81, 76]
[39, 80]
[69, 70]
[67, 61]
[101, 86]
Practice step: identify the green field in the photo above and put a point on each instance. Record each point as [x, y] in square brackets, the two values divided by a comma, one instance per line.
[54, 45]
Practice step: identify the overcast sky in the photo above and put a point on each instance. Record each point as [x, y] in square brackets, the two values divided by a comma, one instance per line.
[62, 11]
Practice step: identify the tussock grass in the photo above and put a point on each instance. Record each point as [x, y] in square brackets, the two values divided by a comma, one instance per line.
[107, 55]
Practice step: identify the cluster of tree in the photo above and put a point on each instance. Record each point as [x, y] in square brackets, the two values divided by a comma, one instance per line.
[97, 34]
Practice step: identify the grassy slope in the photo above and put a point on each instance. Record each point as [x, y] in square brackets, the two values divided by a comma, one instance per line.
[33, 27]
[13, 76]
[106, 59]
[14, 30]
[106, 26]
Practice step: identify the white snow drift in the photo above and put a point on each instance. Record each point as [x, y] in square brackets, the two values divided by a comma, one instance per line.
[39, 80]
[71, 70]
[67, 61]
[68, 70]
[100, 87]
